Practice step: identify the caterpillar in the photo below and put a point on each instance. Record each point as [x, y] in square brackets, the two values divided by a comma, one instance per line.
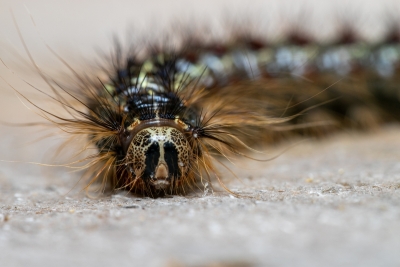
[161, 118]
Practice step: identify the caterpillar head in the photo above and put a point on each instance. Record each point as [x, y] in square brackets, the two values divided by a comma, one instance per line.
[158, 156]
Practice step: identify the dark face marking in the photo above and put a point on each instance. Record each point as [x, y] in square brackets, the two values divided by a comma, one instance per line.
[152, 157]
[171, 158]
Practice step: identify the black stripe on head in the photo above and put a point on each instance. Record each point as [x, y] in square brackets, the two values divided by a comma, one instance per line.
[152, 158]
[171, 158]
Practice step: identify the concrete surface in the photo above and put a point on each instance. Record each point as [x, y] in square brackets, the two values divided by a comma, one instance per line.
[322, 203]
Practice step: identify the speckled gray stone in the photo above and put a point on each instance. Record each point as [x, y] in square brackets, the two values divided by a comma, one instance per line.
[322, 203]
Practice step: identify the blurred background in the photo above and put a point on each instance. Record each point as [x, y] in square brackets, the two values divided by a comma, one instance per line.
[79, 32]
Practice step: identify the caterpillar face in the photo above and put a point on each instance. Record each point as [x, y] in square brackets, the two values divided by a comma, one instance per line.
[160, 157]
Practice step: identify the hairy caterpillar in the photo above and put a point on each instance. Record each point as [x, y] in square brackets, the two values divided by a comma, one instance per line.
[157, 122]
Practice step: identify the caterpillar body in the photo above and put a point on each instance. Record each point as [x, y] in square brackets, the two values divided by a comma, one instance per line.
[160, 122]
[157, 123]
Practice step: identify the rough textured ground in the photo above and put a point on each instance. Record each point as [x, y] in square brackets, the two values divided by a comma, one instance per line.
[328, 203]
